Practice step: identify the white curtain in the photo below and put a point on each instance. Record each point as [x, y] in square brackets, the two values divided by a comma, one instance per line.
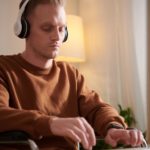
[115, 33]
[132, 76]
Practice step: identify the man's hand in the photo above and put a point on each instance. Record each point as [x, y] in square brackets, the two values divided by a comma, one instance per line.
[78, 129]
[132, 137]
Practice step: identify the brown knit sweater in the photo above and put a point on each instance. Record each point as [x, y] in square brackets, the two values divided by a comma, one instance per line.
[30, 96]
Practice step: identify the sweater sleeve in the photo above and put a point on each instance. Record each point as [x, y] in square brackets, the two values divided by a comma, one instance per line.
[31, 121]
[97, 112]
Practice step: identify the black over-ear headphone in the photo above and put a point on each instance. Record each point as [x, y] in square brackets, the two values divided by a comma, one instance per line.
[22, 26]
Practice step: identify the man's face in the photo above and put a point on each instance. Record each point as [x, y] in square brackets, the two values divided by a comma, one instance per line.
[47, 30]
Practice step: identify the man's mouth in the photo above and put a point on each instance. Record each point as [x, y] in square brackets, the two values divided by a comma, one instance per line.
[54, 46]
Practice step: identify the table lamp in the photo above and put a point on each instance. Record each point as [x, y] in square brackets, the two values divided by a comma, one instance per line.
[73, 49]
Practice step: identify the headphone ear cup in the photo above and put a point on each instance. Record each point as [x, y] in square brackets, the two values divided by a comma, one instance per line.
[25, 29]
[66, 35]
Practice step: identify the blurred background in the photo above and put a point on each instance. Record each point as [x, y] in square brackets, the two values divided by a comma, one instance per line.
[115, 44]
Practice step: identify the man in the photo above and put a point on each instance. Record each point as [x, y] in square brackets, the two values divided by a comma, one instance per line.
[49, 99]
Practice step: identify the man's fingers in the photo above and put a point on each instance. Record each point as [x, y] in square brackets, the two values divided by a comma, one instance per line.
[71, 134]
[119, 134]
[82, 136]
[87, 133]
[128, 137]
[115, 136]
[90, 132]
[141, 138]
[136, 138]
[78, 129]
[133, 138]
[109, 140]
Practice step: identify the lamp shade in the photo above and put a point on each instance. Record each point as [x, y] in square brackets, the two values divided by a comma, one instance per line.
[73, 49]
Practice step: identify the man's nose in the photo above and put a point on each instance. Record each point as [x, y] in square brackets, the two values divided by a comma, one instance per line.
[56, 35]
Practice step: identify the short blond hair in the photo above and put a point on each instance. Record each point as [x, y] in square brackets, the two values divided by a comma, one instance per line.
[32, 4]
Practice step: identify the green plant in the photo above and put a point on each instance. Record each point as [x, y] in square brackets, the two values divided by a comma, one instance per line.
[127, 115]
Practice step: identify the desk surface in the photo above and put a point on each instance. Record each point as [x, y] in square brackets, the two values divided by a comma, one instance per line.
[132, 149]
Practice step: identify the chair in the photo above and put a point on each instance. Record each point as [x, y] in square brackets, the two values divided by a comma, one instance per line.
[18, 139]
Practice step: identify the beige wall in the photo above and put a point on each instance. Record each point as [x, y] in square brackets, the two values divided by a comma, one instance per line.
[72, 7]
[9, 43]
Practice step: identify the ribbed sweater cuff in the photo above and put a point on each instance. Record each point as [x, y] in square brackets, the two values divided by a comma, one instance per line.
[42, 127]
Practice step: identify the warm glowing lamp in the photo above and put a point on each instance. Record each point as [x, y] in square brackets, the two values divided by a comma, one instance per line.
[73, 49]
